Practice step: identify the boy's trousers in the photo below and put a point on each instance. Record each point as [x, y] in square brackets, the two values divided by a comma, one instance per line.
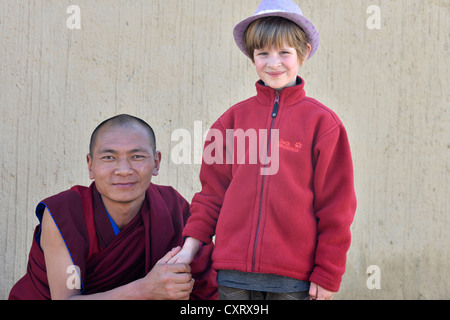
[227, 293]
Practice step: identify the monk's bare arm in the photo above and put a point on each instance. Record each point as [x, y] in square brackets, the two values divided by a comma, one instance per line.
[162, 282]
[57, 259]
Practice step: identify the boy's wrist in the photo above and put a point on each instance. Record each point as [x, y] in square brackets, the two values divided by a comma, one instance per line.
[191, 245]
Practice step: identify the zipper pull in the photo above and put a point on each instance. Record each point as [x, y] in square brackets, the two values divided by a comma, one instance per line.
[277, 104]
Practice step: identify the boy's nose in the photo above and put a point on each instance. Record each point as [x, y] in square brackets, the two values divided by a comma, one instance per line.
[273, 61]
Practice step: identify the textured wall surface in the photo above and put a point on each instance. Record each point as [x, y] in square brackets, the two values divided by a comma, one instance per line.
[174, 63]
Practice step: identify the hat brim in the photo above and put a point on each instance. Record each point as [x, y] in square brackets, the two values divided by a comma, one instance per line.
[309, 29]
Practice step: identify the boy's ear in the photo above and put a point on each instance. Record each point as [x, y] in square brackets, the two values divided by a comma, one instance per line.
[307, 55]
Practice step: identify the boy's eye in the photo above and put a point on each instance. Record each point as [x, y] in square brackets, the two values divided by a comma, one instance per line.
[107, 158]
[261, 53]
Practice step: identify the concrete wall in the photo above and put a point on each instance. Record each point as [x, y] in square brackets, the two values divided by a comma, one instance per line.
[174, 63]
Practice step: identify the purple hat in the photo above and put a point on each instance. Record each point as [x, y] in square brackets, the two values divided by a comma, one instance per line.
[278, 8]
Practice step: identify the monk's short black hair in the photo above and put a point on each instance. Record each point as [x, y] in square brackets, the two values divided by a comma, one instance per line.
[123, 120]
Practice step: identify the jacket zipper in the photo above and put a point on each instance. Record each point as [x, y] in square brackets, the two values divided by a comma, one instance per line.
[274, 114]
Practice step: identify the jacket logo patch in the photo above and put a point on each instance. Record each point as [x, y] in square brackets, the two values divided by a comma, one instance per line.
[287, 145]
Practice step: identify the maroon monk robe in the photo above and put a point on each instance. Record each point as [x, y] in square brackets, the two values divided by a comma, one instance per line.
[105, 260]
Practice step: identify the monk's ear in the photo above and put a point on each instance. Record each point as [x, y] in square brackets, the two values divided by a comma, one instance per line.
[89, 163]
[157, 163]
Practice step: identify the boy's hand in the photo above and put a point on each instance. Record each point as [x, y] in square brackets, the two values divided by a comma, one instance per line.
[316, 292]
[187, 253]
[182, 257]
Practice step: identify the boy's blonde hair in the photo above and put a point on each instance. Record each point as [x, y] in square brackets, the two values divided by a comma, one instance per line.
[275, 32]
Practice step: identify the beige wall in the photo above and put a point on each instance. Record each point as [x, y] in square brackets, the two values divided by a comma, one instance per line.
[175, 62]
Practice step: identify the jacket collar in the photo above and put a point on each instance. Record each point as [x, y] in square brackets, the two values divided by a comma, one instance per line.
[289, 96]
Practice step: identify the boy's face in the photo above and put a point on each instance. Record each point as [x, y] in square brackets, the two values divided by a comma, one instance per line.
[122, 164]
[278, 68]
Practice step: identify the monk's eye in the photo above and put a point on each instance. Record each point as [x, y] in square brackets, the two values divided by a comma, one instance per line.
[139, 157]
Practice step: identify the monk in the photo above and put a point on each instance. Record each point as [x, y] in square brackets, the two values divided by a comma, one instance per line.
[113, 240]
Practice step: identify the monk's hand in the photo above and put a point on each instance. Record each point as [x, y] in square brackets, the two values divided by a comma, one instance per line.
[168, 281]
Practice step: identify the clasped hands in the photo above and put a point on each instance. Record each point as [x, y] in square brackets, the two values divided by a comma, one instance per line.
[171, 278]
[168, 280]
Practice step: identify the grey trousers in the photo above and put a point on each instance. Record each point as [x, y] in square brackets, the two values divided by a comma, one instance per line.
[227, 293]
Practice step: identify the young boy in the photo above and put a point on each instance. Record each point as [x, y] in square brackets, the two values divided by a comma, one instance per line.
[284, 233]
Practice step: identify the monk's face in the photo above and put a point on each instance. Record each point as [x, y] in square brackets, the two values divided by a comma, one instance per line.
[122, 164]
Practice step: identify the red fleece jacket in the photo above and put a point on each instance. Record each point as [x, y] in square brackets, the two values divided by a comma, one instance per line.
[293, 222]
